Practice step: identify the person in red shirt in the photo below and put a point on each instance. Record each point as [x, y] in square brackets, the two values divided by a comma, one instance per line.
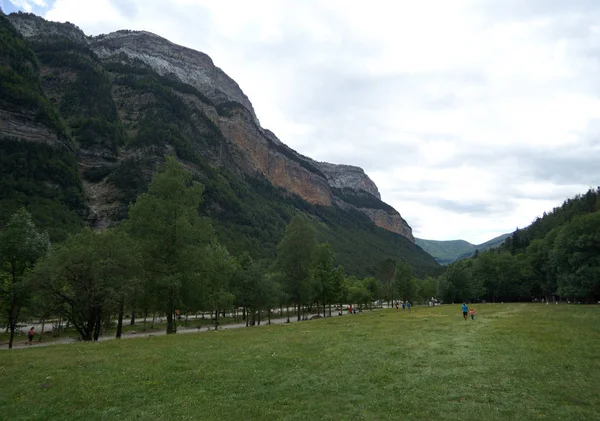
[472, 313]
[30, 335]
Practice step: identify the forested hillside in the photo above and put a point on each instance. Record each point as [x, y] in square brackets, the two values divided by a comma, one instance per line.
[557, 256]
[446, 252]
[42, 174]
[82, 136]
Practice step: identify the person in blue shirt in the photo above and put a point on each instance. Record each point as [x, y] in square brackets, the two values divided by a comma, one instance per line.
[465, 310]
[408, 305]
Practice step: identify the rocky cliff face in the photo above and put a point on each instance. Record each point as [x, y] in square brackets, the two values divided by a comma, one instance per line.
[348, 176]
[220, 122]
[19, 124]
[34, 27]
[391, 222]
[267, 155]
[167, 59]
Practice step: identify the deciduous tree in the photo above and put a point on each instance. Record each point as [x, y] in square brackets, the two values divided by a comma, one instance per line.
[21, 245]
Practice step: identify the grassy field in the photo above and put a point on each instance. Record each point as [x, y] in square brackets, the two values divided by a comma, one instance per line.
[513, 362]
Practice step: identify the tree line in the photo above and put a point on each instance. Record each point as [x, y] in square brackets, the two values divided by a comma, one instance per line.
[556, 257]
[165, 258]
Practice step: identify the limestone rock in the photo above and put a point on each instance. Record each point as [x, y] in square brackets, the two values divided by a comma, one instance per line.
[344, 176]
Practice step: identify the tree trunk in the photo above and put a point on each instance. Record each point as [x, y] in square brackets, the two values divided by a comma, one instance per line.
[259, 316]
[12, 335]
[329, 309]
[153, 318]
[42, 334]
[298, 312]
[120, 321]
[97, 324]
[12, 319]
[12, 323]
[216, 319]
[288, 312]
[145, 316]
[88, 333]
[170, 323]
[132, 319]
[269, 315]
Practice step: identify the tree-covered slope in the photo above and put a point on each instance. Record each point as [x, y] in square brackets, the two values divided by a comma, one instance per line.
[38, 165]
[117, 119]
[581, 204]
[490, 244]
[556, 257]
[445, 252]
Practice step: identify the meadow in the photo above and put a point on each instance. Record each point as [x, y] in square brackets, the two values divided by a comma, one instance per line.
[513, 362]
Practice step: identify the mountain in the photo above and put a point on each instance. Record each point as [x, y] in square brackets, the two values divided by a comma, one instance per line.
[446, 252]
[85, 122]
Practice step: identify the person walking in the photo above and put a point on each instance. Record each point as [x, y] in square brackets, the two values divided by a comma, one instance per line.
[472, 313]
[30, 335]
[465, 310]
[408, 305]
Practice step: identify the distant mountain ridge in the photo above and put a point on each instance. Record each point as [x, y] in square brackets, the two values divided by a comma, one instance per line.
[446, 252]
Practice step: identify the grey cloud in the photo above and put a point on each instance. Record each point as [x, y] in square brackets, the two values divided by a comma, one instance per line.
[127, 8]
[520, 9]
[463, 207]
[573, 169]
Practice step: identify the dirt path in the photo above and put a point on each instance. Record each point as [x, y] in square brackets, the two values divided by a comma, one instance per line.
[21, 341]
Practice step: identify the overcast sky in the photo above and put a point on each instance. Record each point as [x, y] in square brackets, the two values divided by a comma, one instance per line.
[472, 117]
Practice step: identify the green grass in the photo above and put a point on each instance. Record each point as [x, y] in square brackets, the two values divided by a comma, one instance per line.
[514, 362]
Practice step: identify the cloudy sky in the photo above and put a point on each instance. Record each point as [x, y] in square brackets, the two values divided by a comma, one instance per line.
[472, 116]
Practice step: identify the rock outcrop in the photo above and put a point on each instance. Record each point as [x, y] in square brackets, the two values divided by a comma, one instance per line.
[391, 222]
[34, 27]
[167, 59]
[268, 156]
[348, 176]
[22, 125]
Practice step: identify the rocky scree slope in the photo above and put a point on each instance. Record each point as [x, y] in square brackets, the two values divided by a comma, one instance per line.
[128, 98]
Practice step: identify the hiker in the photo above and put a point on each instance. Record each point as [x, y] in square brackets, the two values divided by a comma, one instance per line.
[30, 335]
[408, 305]
[472, 312]
[465, 310]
